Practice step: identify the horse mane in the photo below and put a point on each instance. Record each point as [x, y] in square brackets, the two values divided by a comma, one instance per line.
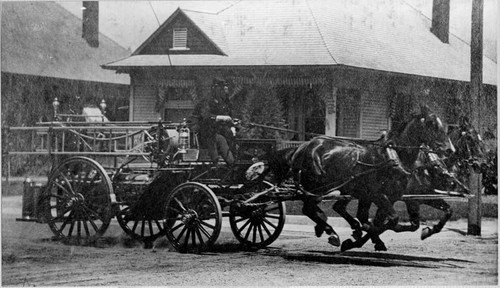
[399, 127]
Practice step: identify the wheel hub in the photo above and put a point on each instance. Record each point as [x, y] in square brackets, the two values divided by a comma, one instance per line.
[76, 200]
[189, 217]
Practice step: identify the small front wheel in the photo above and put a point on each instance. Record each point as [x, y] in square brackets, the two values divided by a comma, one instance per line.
[257, 224]
[193, 217]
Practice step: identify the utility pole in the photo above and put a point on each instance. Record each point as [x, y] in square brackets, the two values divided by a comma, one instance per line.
[476, 82]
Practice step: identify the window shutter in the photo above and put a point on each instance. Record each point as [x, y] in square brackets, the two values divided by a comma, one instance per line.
[180, 38]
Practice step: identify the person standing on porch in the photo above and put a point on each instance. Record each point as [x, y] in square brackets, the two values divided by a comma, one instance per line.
[212, 120]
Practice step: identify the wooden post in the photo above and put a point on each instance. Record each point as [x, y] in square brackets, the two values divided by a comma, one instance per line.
[331, 112]
[300, 116]
[475, 203]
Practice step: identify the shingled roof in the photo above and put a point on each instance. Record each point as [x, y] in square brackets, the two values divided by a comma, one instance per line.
[42, 38]
[380, 35]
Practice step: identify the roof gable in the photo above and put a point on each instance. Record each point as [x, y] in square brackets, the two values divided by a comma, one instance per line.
[209, 40]
[42, 38]
[381, 35]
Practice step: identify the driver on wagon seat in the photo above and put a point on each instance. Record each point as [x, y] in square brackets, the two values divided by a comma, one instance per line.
[213, 123]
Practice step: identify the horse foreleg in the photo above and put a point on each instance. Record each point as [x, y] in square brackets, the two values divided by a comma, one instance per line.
[385, 218]
[340, 207]
[373, 232]
[311, 210]
[443, 206]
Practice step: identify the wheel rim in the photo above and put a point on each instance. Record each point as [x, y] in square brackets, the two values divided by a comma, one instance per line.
[139, 227]
[77, 200]
[257, 225]
[194, 218]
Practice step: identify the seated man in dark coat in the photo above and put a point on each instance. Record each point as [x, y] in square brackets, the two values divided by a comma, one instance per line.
[213, 123]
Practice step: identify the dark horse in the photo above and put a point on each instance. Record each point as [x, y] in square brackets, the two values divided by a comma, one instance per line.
[359, 168]
[470, 150]
[429, 173]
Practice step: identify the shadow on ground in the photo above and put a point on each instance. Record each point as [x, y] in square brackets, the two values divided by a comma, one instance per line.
[368, 258]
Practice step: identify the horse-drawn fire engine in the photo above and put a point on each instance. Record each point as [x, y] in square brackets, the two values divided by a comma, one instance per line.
[155, 180]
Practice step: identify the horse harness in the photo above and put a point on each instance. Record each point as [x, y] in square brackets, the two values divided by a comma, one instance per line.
[391, 162]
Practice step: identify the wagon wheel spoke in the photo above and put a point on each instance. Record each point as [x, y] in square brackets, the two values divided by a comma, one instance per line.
[83, 185]
[269, 223]
[79, 228]
[179, 237]
[59, 197]
[197, 210]
[160, 227]
[244, 225]
[135, 226]
[249, 230]
[186, 239]
[205, 232]
[241, 219]
[91, 221]
[271, 208]
[258, 227]
[92, 212]
[200, 237]
[263, 224]
[272, 216]
[254, 233]
[202, 222]
[176, 227]
[180, 204]
[193, 235]
[86, 227]
[143, 226]
[64, 188]
[150, 227]
[67, 220]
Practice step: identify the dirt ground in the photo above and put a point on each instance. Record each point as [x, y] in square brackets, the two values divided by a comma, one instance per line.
[297, 258]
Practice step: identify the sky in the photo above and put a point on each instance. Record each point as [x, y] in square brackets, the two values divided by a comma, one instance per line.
[130, 23]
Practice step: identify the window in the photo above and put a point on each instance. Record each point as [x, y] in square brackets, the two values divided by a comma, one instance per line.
[180, 39]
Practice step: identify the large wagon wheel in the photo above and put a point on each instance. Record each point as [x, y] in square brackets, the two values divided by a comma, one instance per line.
[257, 224]
[146, 226]
[77, 200]
[194, 217]
[140, 227]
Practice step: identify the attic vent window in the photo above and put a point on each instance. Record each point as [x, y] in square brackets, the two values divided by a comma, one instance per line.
[180, 39]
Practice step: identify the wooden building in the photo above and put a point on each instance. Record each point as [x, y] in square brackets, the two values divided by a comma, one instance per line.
[347, 68]
[45, 54]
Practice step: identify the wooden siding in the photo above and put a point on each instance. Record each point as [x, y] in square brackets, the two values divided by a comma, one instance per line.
[373, 114]
[144, 103]
[348, 113]
[197, 43]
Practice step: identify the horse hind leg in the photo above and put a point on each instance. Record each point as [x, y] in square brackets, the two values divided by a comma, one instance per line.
[311, 210]
[340, 207]
[443, 206]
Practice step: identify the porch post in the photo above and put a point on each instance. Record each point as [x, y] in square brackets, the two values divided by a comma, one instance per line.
[331, 113]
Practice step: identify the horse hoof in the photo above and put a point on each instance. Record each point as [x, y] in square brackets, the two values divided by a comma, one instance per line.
[334, 240]
[380, 247]
[426, 233]
[346, 245]
[357, 234]
[318, 230]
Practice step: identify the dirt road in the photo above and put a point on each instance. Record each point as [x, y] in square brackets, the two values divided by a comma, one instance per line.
[31, 258]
